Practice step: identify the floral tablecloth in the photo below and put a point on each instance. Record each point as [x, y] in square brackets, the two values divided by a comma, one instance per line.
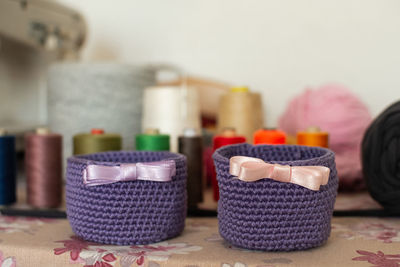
[51, 242]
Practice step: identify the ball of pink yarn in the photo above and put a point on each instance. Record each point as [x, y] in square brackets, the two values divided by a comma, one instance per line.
[343, 115]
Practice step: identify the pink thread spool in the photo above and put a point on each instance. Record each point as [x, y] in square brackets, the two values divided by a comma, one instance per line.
[43, 164]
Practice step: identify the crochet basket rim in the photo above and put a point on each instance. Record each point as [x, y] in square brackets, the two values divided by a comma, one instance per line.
[327, 154]
[87, 158]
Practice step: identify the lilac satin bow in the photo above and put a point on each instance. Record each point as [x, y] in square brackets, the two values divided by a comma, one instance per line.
[252, 169]
[160, 171]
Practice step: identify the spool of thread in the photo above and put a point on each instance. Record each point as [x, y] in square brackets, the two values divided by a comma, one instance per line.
[7, 168]
[191, 145]
[43, 165]
[228, 137]
[171, 109]
[380, 155]
[242, 110]
[269, 137]
[152, 140]
[313, 137]
[96, 141]
[207, 156]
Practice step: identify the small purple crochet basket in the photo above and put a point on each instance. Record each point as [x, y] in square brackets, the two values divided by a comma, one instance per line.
[129, 212]
[271, 215]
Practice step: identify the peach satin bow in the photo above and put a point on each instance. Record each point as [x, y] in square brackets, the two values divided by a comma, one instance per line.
[250, 169]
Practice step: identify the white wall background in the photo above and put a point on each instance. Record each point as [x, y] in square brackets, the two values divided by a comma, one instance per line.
[275, 47]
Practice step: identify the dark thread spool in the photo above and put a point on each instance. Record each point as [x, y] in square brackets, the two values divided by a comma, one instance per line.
[191, 145]
[7, 169]
[43, 164]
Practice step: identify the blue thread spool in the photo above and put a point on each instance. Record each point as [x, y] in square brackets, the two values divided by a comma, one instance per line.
[7, 169]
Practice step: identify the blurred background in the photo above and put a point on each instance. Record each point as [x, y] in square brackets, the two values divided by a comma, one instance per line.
[277, 48]
[345, 53]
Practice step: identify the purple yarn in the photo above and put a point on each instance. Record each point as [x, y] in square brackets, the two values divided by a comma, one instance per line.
[271, 215]
[126, 213]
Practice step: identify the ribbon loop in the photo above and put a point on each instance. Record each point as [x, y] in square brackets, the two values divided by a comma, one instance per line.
[237, 161]
[250, 169]
[160, 171]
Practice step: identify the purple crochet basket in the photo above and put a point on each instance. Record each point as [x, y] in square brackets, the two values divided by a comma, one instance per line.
[130, 212]
[271, 215]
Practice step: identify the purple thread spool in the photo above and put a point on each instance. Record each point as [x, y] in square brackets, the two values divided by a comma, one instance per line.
[270, 215]
[126, 213]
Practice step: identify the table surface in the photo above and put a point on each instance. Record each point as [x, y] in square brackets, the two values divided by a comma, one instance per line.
[51, 242]
[354, 241]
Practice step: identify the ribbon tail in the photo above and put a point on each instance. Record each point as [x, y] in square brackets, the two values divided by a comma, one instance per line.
[159, 171]
[311, 177]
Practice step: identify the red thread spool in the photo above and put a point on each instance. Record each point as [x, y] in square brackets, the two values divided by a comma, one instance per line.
[43, 164]
[97, 131]
[269, 137]
[228, 137]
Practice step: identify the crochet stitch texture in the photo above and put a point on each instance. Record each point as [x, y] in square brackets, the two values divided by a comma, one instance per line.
[271, 215]
[126, 213]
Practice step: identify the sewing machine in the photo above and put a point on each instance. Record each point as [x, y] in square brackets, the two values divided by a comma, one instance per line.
[33, 34]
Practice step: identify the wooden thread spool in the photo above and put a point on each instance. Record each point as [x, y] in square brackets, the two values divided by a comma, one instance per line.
[313, 136]
[269, 137]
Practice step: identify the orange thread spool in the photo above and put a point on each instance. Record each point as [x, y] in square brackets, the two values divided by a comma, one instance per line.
[269, 137]
[313, 137]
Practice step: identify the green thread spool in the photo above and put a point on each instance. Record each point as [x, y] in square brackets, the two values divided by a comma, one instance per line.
[152, 140]
[96, 141]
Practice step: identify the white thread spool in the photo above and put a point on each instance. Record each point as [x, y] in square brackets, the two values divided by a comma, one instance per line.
[171, 109]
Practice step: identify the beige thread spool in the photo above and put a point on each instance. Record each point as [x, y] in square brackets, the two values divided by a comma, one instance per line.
[242, 110]
[3, 132]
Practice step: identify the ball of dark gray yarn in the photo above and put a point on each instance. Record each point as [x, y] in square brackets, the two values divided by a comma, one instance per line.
[381, 158]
